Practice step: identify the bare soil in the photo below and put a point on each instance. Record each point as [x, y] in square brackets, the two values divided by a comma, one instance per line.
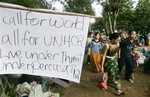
[86, 88]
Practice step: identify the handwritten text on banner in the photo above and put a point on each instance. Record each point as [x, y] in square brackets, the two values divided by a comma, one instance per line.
[42, 44]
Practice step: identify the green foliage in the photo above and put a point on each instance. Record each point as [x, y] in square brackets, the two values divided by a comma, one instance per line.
[78, 6]
[30, 3]
[142, 14]
[11, 90]
[99, 24]
[111, 10]
[8, 88]
[126, 17]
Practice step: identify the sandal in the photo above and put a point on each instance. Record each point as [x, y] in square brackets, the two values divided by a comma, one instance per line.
[103, 89]
[122, 93]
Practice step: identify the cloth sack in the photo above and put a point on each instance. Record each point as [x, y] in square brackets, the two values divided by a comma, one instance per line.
[23, 88]
[36, 90]
[141, 58]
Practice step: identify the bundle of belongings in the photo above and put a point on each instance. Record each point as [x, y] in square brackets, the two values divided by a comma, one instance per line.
[144, 59]
[32, 86]
[141, 55]
[141, 58]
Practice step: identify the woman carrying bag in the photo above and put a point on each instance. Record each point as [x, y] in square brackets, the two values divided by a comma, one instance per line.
[109, 63]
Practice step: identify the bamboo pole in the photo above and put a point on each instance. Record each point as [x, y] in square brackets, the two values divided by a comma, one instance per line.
[47, 11]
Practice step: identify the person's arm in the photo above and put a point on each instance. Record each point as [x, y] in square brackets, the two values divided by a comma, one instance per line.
[105, 49]
[101, 46]
[139, 43]
[90, 43]
[119, 52]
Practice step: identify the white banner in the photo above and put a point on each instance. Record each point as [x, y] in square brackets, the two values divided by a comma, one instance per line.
[42, 44]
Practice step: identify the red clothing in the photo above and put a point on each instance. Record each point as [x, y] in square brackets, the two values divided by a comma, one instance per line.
[136, 57]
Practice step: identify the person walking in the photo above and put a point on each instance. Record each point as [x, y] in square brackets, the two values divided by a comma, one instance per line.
[126, 46]
[88, 48]
[95, 52]
[109, 63]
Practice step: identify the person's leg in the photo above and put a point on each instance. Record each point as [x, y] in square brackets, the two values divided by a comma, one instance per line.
[88, 59]
[95, 58]
[128, 71]
[134, 65]
[121, 62]
[147, 66]
[132, 76]
[120, 92]
[97, 62]
[117, 86]
[85, 59]
[88, 55]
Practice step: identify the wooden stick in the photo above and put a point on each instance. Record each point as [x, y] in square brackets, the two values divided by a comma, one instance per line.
[47, 11]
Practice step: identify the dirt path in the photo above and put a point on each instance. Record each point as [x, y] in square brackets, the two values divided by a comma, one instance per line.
[140, 87]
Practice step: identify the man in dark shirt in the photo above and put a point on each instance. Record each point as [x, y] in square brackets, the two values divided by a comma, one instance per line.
[125, 56]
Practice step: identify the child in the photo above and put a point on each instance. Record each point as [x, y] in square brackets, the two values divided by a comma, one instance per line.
[134, 60]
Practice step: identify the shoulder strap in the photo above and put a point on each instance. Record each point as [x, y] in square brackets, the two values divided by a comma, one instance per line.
[107, 46]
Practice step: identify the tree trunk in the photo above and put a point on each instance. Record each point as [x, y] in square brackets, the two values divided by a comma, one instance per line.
[114, 22]
[109, 18]
[115, 15]
[110, 23]
[106, 29]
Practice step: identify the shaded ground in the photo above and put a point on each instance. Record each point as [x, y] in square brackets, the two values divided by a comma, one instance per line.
[140, 87]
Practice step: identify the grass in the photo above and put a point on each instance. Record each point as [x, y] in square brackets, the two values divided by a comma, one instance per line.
[57, 89]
